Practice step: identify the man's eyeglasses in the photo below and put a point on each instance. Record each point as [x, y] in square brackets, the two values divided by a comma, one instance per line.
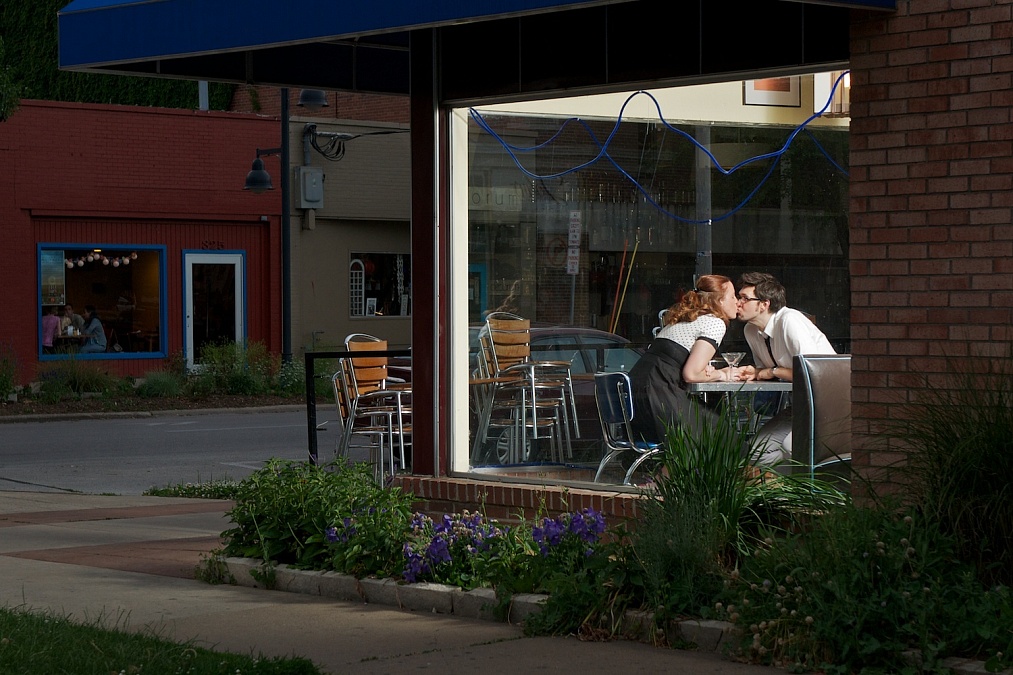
[744, 299]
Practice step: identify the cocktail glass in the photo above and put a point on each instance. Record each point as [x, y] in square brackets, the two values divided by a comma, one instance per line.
[732, 358]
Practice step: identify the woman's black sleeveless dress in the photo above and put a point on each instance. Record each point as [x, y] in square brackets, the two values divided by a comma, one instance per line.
[659, 397]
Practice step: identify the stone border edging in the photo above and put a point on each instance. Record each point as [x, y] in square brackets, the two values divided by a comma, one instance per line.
[443, 599]
[706, 634]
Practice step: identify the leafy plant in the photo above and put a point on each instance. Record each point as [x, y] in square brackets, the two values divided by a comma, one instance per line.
[291, 378]
[459, 549]
[284, 512]
[859, 590]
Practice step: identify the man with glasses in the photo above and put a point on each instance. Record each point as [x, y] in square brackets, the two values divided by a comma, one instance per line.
[775, 333]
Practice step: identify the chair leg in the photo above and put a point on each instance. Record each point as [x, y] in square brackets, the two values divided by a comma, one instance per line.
[636, 464]
[612, 454]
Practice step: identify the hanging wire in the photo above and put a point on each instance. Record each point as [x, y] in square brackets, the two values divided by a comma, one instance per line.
[514, 150]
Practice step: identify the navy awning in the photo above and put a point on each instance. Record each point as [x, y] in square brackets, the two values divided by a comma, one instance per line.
[326, 44]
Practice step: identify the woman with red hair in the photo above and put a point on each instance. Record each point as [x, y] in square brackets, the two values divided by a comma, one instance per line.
[681, 353]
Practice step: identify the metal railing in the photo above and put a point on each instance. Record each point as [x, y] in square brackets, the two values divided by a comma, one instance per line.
[311, 359]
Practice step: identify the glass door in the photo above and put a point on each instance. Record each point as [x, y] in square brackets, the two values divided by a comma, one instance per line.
[215, 301]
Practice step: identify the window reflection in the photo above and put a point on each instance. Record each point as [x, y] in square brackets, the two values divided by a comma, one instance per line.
[601, 250]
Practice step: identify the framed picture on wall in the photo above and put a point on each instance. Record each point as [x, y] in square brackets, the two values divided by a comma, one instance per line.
[784, 92]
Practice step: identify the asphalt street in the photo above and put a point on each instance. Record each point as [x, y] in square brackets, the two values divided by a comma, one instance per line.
[128, 455]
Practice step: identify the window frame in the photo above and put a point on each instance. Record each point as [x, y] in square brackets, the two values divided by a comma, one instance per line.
[163, 296]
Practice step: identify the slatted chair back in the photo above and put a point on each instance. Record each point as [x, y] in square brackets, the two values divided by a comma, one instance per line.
[369, 373]
[509, 340]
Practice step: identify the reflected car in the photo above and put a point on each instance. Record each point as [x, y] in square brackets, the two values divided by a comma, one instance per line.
[588, 351]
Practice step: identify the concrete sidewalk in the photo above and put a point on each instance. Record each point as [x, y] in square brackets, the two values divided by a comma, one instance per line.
[129, 561]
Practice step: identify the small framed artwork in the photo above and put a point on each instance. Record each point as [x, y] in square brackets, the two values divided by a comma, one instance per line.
[370, 306]
[784, 92]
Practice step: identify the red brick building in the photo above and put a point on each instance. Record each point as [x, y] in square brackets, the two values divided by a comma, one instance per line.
[178, 252]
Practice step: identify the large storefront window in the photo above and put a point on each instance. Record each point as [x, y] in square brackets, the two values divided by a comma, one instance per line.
[588, 223]
[123, 285]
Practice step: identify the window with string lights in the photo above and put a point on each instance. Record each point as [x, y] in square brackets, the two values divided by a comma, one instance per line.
[125, 289]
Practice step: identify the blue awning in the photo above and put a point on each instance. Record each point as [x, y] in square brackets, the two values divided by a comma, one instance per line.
[341, 45]
[97, 33]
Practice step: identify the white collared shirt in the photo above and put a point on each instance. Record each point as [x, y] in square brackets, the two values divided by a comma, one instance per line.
[790, 333]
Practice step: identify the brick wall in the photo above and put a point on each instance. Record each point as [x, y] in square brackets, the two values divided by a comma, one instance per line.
[121, 175]
[344, 105]
[508, 502]
[931, 200]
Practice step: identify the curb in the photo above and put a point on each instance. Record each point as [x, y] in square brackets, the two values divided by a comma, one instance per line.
[707, 635]
[478, 603]
[67, 417]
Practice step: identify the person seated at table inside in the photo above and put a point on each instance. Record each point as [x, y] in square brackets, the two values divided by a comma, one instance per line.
[94, 334]
[776, 334]
[681, 353]
[50, 329]
[69, 318]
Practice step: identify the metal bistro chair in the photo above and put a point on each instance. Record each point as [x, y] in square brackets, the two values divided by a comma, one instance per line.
[504, 403]
[374, 394]
[533, 397]
[357, 419]
[614, 396]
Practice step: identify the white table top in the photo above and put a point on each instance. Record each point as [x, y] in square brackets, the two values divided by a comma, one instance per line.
[746, 387]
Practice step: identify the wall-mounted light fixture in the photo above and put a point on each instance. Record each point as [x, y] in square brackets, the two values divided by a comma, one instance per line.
[259, 180]
[313, 99]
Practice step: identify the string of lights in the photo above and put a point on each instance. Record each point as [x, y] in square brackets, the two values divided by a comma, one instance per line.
[98, 257]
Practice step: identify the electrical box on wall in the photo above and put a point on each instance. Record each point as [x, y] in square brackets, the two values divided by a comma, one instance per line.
[310, 187]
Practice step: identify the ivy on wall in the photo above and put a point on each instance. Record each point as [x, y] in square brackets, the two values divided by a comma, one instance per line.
[28, 69]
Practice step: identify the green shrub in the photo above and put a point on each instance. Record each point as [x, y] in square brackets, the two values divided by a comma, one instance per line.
[283, 513]
[8, 371]
[860, 588]
[291, 378]
[232, 368]
[160, 384]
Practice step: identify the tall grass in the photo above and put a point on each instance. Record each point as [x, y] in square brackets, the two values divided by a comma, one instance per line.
[958, 443]
[711, 509]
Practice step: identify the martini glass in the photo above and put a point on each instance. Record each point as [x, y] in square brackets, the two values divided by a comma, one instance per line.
[732, 358]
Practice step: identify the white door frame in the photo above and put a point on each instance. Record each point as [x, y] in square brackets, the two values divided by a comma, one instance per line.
[191, 258]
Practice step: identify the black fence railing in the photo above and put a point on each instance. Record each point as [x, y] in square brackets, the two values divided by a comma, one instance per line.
[311, 359]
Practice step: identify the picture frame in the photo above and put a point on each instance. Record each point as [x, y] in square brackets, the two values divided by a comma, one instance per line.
[783, 92]
[370, 306]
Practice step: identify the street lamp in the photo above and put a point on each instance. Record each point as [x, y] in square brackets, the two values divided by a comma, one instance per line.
[257, 181]
[313, 99]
